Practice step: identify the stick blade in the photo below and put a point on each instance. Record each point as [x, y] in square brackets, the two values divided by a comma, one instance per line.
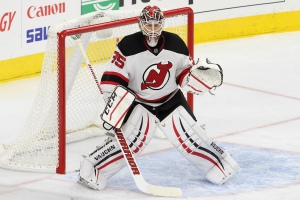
[163, 191]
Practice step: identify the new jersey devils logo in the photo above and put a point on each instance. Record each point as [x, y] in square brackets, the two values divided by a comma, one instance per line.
[156, 76]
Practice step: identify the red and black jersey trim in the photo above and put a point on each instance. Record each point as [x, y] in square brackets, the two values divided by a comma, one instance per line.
[136, 42]
[114, 78]
[219, 164]
[159, 100]
[159, 47]
[181, 76]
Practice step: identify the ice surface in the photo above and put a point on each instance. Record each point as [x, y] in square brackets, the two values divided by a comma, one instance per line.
[255, 115]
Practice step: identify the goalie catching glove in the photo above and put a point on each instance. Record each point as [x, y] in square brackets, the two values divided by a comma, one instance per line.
[117, 107]
[203, 77]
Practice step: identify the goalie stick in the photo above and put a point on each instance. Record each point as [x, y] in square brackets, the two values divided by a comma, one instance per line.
[138, 178]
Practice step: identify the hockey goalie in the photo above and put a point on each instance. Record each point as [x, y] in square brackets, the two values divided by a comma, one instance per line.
[148, 71]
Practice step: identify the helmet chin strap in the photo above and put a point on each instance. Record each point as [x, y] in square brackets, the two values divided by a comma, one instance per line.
[152, 42]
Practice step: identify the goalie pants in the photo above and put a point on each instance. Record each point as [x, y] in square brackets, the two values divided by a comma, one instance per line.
[162, 111]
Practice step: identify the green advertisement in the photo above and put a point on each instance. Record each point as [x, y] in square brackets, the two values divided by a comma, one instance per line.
[88, 6]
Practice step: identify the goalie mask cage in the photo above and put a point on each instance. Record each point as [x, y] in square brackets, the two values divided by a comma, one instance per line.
[68, 103]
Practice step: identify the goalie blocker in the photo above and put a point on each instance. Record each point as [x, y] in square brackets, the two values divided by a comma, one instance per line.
[117, 107]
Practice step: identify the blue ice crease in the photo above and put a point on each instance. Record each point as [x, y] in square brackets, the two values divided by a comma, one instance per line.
[260, 169]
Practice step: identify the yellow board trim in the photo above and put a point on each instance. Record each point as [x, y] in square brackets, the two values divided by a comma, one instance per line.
[21, 67]
[28, 66]
[247, 26]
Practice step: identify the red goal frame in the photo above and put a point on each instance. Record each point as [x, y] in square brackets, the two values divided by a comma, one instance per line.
[62, 72]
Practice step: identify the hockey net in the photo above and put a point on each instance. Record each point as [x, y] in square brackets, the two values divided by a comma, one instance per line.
[68, 103]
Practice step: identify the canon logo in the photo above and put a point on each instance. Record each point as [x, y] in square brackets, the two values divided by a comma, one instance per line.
[46, 10]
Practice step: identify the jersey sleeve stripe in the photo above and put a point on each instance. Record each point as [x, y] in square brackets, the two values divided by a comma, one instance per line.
[182, 75]
[110, 73]
[114, 79]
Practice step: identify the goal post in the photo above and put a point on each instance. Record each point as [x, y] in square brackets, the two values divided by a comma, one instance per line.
[68, 104]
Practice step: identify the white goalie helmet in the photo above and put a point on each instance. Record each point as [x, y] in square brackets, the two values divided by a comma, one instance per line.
[151, 23]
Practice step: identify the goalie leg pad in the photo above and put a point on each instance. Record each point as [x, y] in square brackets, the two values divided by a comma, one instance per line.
[139, 128]
[217, 177]
[108, 159]
[102, 163]
[193, 143]
[90, 177]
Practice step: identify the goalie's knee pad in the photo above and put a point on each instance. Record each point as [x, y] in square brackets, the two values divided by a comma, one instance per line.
[193, 143]
[139, 128]
[108, 159]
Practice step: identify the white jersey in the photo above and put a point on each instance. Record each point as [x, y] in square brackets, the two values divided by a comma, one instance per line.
[152, 73]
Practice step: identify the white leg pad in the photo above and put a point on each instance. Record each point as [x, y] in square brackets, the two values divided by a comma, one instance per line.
[91, 173]
[90, 177]
[159, 134]
[139, 129]
[108, 159]
[217, 177]
[193, 143]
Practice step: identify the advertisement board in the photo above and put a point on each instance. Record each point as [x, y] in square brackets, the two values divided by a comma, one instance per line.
[24, 24]
[10, 31]
[205, 10]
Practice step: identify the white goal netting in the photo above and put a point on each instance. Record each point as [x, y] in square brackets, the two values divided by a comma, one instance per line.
[37, 146]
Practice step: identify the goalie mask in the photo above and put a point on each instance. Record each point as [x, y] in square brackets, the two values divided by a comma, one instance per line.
[151, 23]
